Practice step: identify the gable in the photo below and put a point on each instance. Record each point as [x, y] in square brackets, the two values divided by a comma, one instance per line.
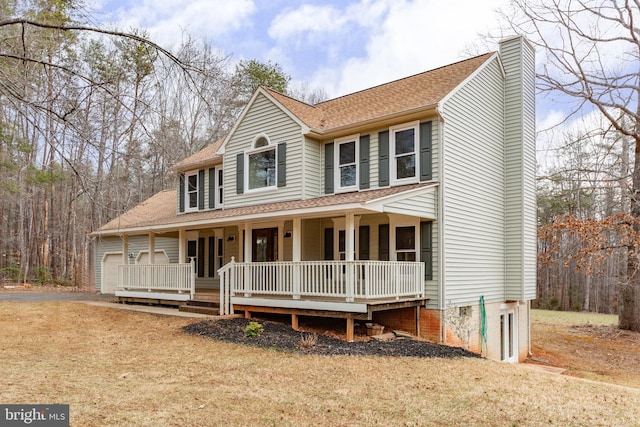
[266, 119]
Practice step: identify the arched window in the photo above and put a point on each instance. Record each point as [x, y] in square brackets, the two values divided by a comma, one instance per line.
[261, 162]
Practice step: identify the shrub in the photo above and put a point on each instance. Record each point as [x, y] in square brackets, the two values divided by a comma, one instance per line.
[42, 275]
[308, 340]
[253, 329]
[12, 272]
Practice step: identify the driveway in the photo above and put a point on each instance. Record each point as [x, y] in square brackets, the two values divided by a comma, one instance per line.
[35, 295]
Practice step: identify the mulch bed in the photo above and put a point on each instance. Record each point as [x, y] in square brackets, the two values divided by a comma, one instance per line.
[280, 337]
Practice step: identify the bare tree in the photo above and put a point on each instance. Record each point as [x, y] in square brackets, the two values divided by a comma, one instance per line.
[591, 57]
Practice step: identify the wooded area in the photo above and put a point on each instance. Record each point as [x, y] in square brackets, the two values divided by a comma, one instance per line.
[589, 199]
[91, 120]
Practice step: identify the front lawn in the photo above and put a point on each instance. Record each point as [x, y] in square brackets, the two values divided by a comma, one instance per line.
[118, 367]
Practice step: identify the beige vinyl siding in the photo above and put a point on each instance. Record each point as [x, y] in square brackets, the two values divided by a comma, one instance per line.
[374, 151]
[312, 239]
[232, 247]
[287, 242]
[518, 61]
[473, 190]
[264, 117]
[136, 244]
[422, 206]
[313, 169]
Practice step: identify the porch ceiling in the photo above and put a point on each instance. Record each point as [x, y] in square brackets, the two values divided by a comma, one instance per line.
[158, 213]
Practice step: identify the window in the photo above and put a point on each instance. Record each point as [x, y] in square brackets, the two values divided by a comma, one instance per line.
[220, 253]
[261, 161]
[404, 150]
[406, 243]
[219, 188]
[191, 191]
[347, 163]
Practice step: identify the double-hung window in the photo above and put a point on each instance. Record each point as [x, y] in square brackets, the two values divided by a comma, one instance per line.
[347, 163]
[191, 191]
[406, 243]
[261, 165]
[404, 148]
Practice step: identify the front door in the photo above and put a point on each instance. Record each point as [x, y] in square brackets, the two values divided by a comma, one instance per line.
[264, 245]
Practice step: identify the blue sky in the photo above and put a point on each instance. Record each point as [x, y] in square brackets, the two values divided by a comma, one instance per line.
[339, 46]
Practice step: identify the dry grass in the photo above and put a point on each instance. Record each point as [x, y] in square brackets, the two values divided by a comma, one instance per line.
[124, 368]
[587, 345]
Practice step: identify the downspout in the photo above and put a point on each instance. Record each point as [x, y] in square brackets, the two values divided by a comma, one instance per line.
[441, 251]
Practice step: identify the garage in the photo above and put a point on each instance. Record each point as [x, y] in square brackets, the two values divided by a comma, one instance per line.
[110, 263]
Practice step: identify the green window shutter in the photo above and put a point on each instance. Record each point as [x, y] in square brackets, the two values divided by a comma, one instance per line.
[364, 162]
[328, 244]
[212, 188]
[201, 189]
[282, 164]
[383, 159]
[426, 152]
[212, 256]
[328, 168]
[363, 250]
[200, 257]
[383, 242]
[240, 173]
[426, 248]
[181, 193]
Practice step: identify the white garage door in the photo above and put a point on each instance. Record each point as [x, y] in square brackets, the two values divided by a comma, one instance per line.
[110, 263]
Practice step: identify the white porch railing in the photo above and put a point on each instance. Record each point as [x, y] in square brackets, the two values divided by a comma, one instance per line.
[160, 278]
[348, 280]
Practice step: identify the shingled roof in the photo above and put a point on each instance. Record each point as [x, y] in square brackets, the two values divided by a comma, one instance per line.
[410, 93]
[160, 209]
[206, 156]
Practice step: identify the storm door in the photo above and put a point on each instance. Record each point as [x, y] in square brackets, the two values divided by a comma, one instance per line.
[264, 245]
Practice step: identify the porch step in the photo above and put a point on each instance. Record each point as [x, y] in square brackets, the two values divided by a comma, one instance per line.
[201, 307]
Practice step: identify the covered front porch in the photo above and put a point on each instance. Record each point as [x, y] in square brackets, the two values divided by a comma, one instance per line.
[336, 258]
[352, 290]
[347, 286]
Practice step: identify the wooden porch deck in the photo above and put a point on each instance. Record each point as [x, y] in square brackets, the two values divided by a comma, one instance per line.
[295, 308]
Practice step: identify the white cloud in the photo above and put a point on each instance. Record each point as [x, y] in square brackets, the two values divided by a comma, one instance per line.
[307, 18]
[327, 20]
[165, 20]
[406, 37]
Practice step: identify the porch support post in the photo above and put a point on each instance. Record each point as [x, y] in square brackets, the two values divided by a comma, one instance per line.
[350, 228]
[247, 259]
[125, 261]
[349, 249]
[152, 248]
[182, 258]
[294, 322]
[247, 243]
[350, 331]
[297, 257]
[297, 239]
[125, 249]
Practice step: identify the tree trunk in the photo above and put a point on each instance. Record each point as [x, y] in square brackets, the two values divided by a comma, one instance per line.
[629, 317]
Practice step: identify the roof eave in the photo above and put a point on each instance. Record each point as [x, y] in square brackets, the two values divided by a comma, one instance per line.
[364, 125]
[319, 211]
[197, 165]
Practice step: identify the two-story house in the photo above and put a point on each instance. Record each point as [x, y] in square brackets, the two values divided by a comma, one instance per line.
[411, 204]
